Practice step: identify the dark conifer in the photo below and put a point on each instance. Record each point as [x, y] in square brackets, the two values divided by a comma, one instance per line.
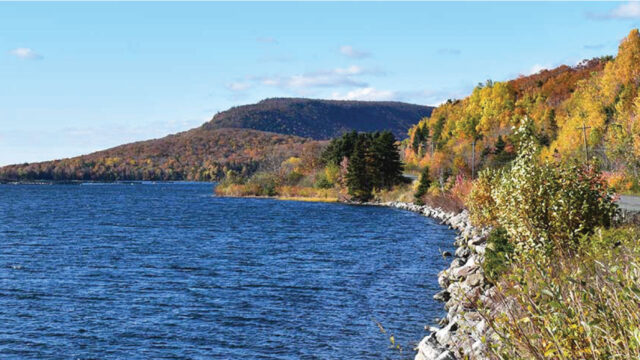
[423, 186]
[359, 182]
[388, 167]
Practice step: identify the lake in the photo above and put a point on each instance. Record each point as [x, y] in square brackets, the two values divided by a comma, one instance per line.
[169, 271]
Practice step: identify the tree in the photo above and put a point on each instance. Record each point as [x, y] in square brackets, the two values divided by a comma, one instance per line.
[340, 147]
[387, 167]
[358, 178]
[423, 186]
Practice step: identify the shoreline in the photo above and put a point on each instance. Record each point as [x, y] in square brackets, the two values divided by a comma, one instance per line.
[461, 332]
[284, 198]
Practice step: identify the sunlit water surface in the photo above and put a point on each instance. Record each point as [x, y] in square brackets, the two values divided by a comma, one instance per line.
[168, 271]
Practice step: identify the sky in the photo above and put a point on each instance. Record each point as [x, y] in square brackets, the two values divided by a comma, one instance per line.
[80, 77]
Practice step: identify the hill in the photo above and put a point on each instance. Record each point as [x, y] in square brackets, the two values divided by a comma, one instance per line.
[321, 119]
[198, 154]
[241, 139]
[462, 136]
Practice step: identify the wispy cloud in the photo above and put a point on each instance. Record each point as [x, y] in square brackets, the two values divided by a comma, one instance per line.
[239, 86]
[338, 77]
[25, 53]
[365, 93]
[267, 40]
[351, 52]
[629, 10]
[449, 51]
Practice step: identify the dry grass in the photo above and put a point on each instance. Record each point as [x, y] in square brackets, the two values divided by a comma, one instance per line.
[585, 306]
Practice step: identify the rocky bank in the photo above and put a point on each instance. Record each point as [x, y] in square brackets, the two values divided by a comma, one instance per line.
[460, 333]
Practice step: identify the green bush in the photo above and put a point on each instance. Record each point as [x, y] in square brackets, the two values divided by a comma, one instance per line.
[543, 204]
[265, 183]
[293, 178]
[498, 253]
[322, 181]
[423, 186]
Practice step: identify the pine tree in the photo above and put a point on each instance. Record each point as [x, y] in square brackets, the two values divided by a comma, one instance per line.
[387, 167]
[423, 186]
[358, 176]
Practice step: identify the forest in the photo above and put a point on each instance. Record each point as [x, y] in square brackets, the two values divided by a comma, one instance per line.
[242, 139]
[352, 167]
[589, 112]
[321, 119]
[195, 155]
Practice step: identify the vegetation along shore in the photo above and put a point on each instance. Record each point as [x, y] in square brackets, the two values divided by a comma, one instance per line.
[546, 266]
[528, 171]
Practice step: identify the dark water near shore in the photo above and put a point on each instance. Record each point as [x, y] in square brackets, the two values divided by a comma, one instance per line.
[167, 271]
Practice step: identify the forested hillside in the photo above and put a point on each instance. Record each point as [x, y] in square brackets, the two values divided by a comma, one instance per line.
[321, 119]
[198, 154]
[242, 139]
[589, 111]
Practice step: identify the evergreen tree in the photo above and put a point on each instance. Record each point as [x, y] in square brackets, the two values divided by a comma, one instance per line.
[423, 186]
[340, 147]
[387, 164]
[358, 171]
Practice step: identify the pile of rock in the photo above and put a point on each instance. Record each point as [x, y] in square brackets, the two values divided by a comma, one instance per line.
[463, 284]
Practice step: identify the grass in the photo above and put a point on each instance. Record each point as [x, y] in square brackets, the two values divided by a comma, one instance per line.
[583, 306]
[309, 199]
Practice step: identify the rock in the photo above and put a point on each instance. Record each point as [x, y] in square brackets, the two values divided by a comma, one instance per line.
[479, 349]
[463, 252]
[474, 280]
[477, 240]
[481, 249]
[429, 349]
[456, 263]
[443, 296]
[444, 335]
[443, 278]
[447, 355]
[467, 269]
[463, 284]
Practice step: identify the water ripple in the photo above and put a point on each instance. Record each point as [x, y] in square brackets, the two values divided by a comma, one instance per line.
[169, 272]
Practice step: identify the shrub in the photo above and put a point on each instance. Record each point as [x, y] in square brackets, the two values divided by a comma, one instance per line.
[540, 203]
[264, 183]
[322, 182]
[498, 252]
[423, 186]
[480, 202]
[579, 307]
[293, 178]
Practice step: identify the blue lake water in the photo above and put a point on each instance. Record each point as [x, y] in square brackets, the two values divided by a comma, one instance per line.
[168, 271]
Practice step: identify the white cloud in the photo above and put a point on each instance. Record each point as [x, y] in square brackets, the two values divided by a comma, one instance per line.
[351, 70]
[346, 77]
[536, 69]
[365, 93]
[630, 10]
[238, 86]
[350, 51]
[25, 53]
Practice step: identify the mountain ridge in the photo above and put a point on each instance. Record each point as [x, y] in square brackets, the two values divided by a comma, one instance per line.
[321, 119]
[229, 142]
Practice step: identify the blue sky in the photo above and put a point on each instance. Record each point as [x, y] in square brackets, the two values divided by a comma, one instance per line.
[80, 77]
